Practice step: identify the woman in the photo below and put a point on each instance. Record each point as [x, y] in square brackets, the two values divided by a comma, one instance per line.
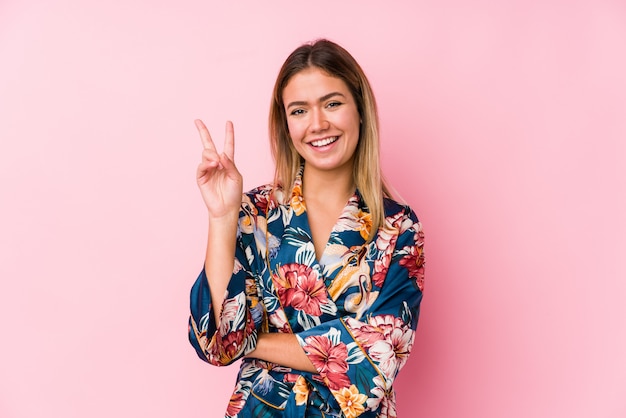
[316, 279]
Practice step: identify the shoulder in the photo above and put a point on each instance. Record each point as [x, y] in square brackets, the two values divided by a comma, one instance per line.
[404, 228]
[260, 192]
[262, 198]
[398, 212]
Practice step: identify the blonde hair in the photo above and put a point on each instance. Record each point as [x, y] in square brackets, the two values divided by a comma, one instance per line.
[336, 62]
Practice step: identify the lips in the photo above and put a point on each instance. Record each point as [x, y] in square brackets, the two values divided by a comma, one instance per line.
[323, 142]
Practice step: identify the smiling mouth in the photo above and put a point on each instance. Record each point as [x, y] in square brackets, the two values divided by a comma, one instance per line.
[324, 142]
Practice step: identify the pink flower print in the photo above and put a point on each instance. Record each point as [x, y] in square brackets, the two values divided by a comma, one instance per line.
[329, 360]
[394, 221]
[405, 224]
[379, 391]
[236, 402]
[335, 380]
[325, 356]
[381, 266]
[385, 324]
[414, 263]
[230, 345]
[387, 339]
[386, 242]
[384, 400]
[300, 287]
[279, 320]
[261, 200]
[386, 239]
[237, 267]
[392, 352]
[364, 333]
[230, 308]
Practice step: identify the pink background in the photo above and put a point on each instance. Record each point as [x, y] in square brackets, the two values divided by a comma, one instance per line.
[504, 126]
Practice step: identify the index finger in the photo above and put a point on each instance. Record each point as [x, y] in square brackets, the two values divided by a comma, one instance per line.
[205, 136]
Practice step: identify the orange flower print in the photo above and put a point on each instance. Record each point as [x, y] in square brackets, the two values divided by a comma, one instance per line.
[354, 219]
[301, 389]
[300, 287]
[350, 401]
[364, 223]
[297, 200]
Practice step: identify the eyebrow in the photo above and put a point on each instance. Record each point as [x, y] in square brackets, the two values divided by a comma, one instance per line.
[321, 99]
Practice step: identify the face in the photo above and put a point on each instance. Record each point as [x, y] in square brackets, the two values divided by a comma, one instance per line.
[323, 120]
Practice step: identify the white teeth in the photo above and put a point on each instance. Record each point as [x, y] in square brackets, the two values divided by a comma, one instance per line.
[323, 142]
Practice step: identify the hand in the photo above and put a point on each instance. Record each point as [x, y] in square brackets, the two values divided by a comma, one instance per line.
[220, 183]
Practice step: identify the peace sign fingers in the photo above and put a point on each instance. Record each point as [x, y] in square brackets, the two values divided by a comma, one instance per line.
[205, 136]
[218, 178]
[207, 141]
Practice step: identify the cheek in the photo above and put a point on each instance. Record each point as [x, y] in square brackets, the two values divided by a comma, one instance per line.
[294, 130]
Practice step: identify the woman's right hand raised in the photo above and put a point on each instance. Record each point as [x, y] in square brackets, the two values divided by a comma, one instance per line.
[220, 183]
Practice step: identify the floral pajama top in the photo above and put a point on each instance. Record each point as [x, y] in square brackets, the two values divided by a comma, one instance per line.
[354, 312]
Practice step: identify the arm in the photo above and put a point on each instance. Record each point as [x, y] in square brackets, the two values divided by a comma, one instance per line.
[223, 333]
[220, 292]
[284, 349]
[221, 187]
[220, 256]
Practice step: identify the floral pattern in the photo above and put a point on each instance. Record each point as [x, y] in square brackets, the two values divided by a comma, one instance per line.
[354, 312]
[350, 401]
[329, 358]
[300, 287]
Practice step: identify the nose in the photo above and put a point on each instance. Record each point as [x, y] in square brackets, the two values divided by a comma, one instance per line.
[319, 122]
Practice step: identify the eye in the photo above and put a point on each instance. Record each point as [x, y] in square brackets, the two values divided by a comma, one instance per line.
[333, 104]
[297, 112]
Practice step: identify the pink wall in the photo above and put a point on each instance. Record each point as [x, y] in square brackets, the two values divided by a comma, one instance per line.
[504, 126]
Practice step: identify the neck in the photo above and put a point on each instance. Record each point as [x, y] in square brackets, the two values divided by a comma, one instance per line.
[328, 185]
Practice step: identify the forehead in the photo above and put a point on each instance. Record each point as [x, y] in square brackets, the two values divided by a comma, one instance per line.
[313, 83]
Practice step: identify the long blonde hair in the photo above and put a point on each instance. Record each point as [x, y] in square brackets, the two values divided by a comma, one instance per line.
[336, 62]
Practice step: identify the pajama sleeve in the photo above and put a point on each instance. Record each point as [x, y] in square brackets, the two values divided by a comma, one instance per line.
[234, 334]
[359, 359]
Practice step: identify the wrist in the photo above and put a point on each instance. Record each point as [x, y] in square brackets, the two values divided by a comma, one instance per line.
[225, 219]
